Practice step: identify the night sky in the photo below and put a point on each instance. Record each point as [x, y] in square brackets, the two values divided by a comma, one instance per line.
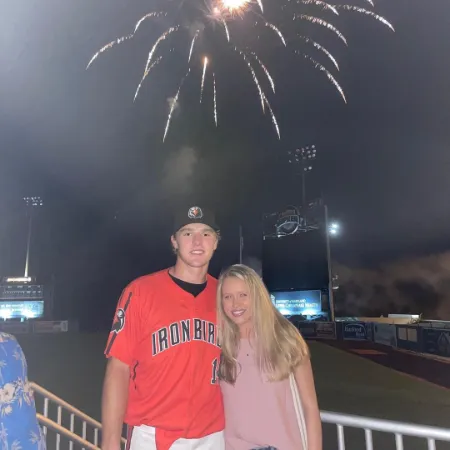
[110, 185]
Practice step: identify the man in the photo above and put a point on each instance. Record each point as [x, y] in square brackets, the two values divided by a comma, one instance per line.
[161, 378]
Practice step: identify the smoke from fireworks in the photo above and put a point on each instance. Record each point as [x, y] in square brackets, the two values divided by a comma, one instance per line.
[217, 16]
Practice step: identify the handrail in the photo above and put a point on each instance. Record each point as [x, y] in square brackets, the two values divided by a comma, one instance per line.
[72, 410]
[341, 420]
[389, 426]
[45, 421]
[54, 398]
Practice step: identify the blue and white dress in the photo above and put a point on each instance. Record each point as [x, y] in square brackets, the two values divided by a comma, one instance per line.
[19, 428]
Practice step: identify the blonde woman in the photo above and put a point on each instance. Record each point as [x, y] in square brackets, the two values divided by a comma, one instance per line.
[265, 363]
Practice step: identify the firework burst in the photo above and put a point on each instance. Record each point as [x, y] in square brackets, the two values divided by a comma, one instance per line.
[194, 23]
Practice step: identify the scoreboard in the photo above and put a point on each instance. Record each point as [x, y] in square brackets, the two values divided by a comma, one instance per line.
[21, 300]
[11, 291]
[306, 303]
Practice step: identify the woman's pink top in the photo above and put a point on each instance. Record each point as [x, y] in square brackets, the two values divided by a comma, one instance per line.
[258, 413]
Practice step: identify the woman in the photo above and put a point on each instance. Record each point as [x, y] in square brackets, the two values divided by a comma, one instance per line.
[19, 428]
[265, 363]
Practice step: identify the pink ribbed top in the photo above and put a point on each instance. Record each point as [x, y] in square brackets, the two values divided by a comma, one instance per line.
[258, 413]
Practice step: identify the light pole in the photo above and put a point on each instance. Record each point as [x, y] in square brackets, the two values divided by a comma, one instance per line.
[31, 202]
[303, 157]
[241, 244]
[328, 230]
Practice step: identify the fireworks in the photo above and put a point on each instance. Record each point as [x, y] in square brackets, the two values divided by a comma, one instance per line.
[194, 23]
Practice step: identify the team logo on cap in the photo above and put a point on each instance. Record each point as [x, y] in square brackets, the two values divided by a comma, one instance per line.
[195, 213]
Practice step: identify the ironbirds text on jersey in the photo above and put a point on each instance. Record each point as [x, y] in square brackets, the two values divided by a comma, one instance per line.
[168, 338]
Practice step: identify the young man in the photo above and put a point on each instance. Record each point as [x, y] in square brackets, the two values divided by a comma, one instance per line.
[161, 378]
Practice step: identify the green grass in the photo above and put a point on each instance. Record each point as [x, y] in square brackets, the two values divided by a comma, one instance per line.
[72, 367]
[351, 384]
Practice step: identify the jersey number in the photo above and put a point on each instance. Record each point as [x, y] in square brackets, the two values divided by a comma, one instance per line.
[215, 371]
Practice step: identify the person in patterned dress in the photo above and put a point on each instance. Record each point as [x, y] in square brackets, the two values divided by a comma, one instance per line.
[19, 428]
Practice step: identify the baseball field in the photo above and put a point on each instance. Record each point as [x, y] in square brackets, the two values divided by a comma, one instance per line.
[72, 367]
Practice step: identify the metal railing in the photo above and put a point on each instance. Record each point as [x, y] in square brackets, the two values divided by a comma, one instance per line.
[397, 429]
[71, 426]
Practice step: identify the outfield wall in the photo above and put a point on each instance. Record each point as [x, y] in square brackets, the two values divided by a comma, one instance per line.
[37, 326]
[426, 337]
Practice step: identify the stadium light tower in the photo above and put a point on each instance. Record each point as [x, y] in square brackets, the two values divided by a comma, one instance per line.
[303, 157]
[32, 203]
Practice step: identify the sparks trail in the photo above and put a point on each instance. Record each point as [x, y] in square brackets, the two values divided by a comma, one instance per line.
[158, 41]
[323, 23]
[264, 68]
[277, 31]
[195, 24]
[367, 13]
[260, 6]
[371, 3]
[322, 49]
[154, 63]
[174, 104]
[272, 115]
[255, 78]
[264, 100]
[321, 4]
[125, 38]
[323, 69]
[192, 45]
[108, 46]
[215, 98]
[205, 63]
[227, 32]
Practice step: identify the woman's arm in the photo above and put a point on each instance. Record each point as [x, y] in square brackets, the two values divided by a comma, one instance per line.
[305, 382]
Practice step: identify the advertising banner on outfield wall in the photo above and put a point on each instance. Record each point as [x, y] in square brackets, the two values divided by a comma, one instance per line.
[356, 331]
[409, 337]
[50, 326]
[385, 333]
[436, 342]
[307, 329]
[325, 330]
[15, 327]
[317, 330]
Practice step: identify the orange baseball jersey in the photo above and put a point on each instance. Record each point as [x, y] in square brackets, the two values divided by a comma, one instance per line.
[168, 338]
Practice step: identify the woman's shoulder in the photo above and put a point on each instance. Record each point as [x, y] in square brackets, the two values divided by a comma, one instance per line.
[5, 337]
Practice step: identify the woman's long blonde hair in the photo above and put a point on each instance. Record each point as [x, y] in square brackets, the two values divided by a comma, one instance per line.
[278, 344]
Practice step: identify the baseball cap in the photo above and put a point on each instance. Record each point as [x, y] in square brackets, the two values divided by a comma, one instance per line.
[194, 214]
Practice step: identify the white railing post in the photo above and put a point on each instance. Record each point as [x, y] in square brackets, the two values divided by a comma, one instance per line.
[62, 408]
[369, 439]
[397, 429]
[341, 437]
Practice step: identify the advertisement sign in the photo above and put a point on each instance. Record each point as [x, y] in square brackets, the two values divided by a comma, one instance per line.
[434, 324]
[307, 329]
[15, 327]
[385, 333]
[291, 303]
[408, 338]
[58, 326]
[354, 331]
[436, 342]
[325, 330]
[21, 309]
